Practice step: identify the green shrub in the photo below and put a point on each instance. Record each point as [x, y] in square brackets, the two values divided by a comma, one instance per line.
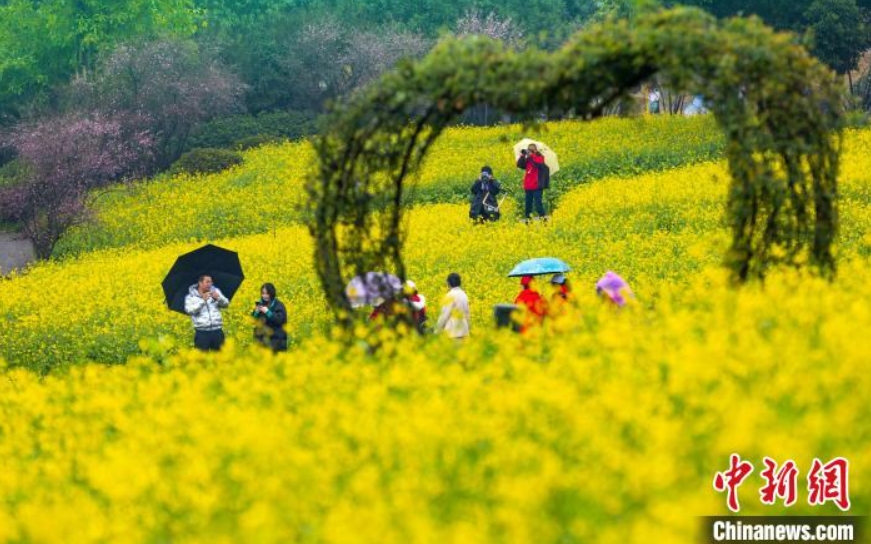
[12, 173]
[256, 141]
[7, 154]
[857, 118]
[229, 132]
[205, 161]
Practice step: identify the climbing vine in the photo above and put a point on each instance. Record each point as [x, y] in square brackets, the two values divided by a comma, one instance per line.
[778, 107]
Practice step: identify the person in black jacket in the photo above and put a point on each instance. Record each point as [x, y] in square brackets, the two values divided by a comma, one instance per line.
[485, 207]
[272, 316]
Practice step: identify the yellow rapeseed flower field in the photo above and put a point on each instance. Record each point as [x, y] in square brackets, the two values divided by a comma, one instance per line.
[266, 192]
[606, 426]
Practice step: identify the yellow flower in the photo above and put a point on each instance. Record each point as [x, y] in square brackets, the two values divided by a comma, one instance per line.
[605, 414]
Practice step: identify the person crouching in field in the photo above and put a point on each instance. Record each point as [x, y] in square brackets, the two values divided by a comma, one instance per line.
[271, 316]
[203, 303]
[485, 206]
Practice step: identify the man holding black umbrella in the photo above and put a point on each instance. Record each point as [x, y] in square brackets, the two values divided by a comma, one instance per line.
[203, 303]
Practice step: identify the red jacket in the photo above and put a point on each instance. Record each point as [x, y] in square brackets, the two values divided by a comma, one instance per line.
[536, 307]
[418, 307]
[530, 162]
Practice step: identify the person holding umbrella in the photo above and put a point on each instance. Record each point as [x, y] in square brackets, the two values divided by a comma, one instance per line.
[561, 295]
[271, 316]
[203, 303]
[539, 163]
[532, 161]
[535, 304]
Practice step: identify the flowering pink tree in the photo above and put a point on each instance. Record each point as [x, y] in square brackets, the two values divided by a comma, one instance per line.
[370, 54]
[474, 23]
[67, 158]
[167, 87]
[345, 58]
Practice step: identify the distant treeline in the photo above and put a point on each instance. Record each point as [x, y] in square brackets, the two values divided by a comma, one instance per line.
[93, 93]
[295, 54]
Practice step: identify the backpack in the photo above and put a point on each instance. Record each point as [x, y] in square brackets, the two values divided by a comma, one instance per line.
[543, 176]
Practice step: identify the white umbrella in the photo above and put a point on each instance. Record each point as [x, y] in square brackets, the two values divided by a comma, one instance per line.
[550, 158]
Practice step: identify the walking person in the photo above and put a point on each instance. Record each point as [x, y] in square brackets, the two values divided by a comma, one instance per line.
[653, 100]
[454, 318]
[561, 295]
[536, 177]
[614, 289]
[533, 302]
[203, 303]
[271, 315]
[417, 305]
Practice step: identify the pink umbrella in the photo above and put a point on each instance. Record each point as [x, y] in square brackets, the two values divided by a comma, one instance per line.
[614, 287]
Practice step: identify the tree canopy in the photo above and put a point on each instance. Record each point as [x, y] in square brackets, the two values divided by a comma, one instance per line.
[839, 27]
[44, 43]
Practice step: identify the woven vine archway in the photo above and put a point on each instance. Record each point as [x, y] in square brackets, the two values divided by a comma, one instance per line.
[778, 107]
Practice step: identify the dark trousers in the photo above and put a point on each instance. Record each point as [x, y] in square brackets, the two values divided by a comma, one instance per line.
[533, 200]
[209, 340]
[277, 342]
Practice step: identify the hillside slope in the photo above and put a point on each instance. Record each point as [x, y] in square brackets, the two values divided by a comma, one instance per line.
[657, 229]
[265, 193]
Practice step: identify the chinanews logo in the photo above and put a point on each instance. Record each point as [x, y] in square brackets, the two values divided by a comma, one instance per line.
[826, 482]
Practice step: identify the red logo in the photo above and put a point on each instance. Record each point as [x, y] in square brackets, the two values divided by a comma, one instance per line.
[779, 483]
[829, 483]
[732, 478]
[825, 482]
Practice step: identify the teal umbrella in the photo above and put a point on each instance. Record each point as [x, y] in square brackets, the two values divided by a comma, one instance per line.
[539, 266]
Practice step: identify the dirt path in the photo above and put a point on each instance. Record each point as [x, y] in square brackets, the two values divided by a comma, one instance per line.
[15, 252]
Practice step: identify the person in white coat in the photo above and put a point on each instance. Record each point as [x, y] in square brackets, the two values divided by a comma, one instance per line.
[203, 303]
[454, 318]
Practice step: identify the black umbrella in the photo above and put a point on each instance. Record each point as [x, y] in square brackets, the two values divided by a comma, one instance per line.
[221, 264]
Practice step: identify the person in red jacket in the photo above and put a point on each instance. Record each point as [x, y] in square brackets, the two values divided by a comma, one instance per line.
[417, 306]
[532, 161]
[535, 304]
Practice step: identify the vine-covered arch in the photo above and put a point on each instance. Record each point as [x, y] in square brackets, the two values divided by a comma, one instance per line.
[778, 107]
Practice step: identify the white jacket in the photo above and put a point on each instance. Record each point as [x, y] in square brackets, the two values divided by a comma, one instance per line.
[206, 316]
[454, 319]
